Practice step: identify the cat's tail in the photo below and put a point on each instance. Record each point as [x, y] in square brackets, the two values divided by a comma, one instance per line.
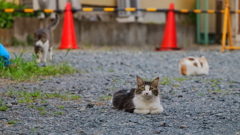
[54, 23]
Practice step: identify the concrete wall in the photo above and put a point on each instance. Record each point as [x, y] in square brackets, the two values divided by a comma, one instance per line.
[108, 33]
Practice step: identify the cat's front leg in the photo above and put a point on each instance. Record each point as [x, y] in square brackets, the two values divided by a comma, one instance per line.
[142, 111]
[157, 110]
[44, 56]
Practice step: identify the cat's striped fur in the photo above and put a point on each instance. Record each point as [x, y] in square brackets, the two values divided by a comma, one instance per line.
[144, 99]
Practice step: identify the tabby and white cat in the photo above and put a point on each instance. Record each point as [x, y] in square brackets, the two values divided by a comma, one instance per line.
[194, 66]
[144, 99]
[43, 42]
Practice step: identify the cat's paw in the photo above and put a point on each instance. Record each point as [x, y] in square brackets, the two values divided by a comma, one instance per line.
[141, 111]
[38, 60]
[157, 111]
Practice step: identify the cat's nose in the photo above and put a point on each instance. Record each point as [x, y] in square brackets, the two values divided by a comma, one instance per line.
[146, 93]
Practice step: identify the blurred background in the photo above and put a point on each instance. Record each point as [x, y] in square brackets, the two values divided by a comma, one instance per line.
[120, 28]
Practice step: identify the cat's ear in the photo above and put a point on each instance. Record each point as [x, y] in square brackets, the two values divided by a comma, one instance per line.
[139, 81]
[203, 57]
[155, 82]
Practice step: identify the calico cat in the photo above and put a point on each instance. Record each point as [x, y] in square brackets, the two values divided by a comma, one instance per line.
[194, 66]
[143, 100]
[43, 42]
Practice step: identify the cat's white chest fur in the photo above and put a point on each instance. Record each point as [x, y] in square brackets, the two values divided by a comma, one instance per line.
[146, 106]
[45, 50]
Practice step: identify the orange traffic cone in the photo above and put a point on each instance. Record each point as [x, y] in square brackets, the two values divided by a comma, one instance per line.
[170, 36]
[68, 33]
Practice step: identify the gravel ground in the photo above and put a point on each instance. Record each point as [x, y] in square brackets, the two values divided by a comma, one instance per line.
[200, 105]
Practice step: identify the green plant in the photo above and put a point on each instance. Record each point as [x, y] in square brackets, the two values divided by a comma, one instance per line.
[75, 97]
[105, 98]
[11, 122]
[3, 107]
[7, 19]
[31, 106]
[41, 108]
[30, 71]
[200, 95]
[111, 70]
[33, 129]
[43, 101]
[180, 79]
[59, 113]
[218, 90]
[60, 107]
[30, 40]
[43, 112]
[16, 42]
[165, 81]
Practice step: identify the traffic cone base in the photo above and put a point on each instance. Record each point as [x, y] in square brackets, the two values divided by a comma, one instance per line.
[169, 41]
[68, 33]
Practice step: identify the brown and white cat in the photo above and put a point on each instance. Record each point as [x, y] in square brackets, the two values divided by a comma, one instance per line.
[144, 99]
[194, 66]
[43, 42]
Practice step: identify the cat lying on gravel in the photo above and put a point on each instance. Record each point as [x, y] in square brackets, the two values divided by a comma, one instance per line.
[194, 66]
[144, 99]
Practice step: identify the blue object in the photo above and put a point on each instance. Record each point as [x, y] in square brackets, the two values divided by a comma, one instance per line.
[4, 56]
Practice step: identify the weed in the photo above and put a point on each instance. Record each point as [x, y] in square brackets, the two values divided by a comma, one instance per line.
[165, 81]
[112, 88]
[21, 101]
[30, 71]
[75, 97]
[43, 112]
[214, 85]
[35, 94]
[200, 95]
[43, 101]
[59, 113]
[11, 122]
[114, 80]
[52, 114]
[3, 107]
[180, 79]
[60, 107]
[33, 129]
[176, 86]
[111, 70]
[218, 90]
[31, 106]
[105, 98]
[41, 108]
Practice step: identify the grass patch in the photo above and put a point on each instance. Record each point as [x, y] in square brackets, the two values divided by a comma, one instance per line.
[111, 70]
[31, 106]
[37, 96]
[3, 107]
[41, 108]
[60, 107]
[43, 112]
[180, 79]
[165, 81]
[22, 71]
[59, 113]
[11, 122]
[105, 98]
